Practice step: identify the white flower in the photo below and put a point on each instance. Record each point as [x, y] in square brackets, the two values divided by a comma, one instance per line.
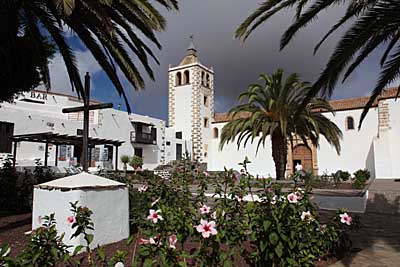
[292, 197]
[119, 264]
[206, 228]
[345, 218]
[273, 200]
[154, 216]
[143, 188]
[205, 209]
[306, 215]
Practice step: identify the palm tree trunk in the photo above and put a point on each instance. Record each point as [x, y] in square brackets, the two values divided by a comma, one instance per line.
[279, 153]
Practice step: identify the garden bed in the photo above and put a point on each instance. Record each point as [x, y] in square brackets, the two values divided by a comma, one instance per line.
[13, 229]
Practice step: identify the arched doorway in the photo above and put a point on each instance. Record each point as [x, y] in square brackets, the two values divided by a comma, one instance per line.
[302, 155]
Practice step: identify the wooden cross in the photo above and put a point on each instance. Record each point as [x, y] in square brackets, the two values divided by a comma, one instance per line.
[86, 108]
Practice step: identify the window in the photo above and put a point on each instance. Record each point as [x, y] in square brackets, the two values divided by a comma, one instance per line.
[6, 133]
[208, 84]
[186, 76]
[216, 133]
[205, 101]
[206, 123]
[178, 135]
[349, 123]
[203, 82]
[168, 143]
[139, 152]
[178, 79]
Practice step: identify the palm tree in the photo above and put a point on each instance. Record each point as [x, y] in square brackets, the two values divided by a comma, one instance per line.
[270, 111]
[375, 24]
[112, 30]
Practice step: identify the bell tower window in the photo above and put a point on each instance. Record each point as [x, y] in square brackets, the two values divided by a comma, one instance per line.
[178, 79]
[186, 76]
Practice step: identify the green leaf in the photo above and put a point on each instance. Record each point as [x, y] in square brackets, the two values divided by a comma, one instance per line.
[273, 238]
[89, 238]
[148, 263]
[77, 250]
[266, 225]
[278, 251]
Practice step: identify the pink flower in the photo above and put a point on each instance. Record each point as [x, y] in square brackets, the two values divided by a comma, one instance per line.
[306, 215]
[205, 209]
[143, 188]
[138, 169]
[154, 216]
[292, 197]
[172, 241]
[143, 241]
[155, 202]
[71, 220]
[151, 241]
[206, 228]
[345, 218]
[206, 174]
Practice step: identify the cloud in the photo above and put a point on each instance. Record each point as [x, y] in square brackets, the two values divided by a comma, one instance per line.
[59, 75]
[213, 24]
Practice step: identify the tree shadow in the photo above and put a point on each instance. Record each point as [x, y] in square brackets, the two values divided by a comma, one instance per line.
[379, 229]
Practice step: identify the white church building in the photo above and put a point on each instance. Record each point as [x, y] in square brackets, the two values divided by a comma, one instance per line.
[195, 128]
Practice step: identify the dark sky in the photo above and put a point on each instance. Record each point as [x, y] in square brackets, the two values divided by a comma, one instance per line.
[213, 22]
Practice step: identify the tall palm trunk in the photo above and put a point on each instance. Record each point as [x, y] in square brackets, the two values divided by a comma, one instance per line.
[279, 153]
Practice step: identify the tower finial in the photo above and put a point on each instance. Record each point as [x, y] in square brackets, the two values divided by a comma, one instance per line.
[192, 49]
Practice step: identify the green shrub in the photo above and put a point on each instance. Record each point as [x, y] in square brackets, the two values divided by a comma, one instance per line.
[360, 178]
[274, 229]
[136, 162]
[17, 187]
[340, 176]
[282, 229]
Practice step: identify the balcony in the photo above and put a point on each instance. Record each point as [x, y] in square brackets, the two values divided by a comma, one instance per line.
[143, 138]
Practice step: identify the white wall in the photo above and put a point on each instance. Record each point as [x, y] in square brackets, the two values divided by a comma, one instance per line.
[355, 145]
[183, 110]
[111, 222]
[262, 163]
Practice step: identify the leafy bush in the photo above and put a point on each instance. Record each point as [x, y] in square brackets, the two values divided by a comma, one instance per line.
[17, 187]
[340, 176]
[136, 162]
[360, 178]
[267, 227]
[276, 229]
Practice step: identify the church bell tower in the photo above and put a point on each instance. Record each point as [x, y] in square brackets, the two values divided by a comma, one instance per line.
[191, 102]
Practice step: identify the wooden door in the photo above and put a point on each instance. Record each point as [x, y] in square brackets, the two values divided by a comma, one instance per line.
[303, 155]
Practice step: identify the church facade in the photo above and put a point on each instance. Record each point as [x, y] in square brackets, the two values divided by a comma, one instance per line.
[374, 147]
[194, 130]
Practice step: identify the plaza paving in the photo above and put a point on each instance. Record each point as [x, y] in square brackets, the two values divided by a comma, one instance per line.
[379, 236]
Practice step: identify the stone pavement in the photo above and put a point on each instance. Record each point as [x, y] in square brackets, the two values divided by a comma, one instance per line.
[379, 236]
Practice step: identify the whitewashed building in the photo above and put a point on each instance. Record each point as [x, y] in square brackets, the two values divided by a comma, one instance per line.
[194, 129]
[41, 112]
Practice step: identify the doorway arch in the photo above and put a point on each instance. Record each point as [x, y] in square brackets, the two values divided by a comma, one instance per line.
[303, 155]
